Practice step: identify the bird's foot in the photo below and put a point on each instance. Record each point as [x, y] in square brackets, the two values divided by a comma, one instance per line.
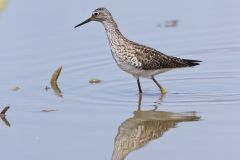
[163, 91]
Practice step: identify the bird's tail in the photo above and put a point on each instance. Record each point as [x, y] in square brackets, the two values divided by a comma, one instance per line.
[191, 62]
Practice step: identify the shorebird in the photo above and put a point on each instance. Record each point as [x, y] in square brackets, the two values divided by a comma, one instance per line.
[136, 59]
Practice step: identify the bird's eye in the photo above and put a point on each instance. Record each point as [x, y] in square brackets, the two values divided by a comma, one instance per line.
[95, 13]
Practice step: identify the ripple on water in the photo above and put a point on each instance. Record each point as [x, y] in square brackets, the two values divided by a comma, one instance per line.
[188, 88]
[214, 81]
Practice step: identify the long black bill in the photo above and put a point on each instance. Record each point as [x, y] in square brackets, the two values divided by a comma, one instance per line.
[86, 21]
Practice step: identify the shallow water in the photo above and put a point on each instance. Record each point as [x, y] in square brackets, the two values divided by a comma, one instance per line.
[198, 117]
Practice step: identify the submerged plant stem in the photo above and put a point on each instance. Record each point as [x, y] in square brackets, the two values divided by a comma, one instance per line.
[5, 110]
[54, 81]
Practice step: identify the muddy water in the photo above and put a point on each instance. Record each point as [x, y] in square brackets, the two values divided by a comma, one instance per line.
[198, 117]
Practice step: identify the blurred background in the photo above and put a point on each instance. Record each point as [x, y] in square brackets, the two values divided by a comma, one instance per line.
[36, 37]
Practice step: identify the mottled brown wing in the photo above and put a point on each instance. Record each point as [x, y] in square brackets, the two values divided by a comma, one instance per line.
[152, 59]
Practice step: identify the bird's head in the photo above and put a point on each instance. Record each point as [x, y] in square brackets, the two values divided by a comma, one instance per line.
[99, 14]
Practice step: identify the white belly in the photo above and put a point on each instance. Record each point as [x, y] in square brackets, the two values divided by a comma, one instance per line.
[136, 72]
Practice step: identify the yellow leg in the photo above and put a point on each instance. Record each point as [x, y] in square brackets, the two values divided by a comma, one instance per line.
[163, 91]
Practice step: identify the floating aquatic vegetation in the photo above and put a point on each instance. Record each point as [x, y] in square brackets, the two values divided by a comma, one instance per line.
[53, 82]
[49, 110]
[3, 112]
[47, 88]
[56, 74]
[169, 23]
[15, 88]
[94, 81]
[3, 116]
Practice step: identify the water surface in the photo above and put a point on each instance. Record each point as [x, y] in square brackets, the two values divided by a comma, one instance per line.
[198, 117]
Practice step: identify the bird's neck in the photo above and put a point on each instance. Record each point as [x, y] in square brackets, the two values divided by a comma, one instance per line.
[115, 37]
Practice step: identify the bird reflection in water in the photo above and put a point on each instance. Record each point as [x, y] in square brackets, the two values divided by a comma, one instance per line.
[145, 126]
